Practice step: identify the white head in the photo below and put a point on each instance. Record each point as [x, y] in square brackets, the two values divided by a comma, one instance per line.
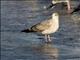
[55, 15]
[54, 2]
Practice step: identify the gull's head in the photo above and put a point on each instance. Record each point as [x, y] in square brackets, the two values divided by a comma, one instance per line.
[55, 15]
[54, 2]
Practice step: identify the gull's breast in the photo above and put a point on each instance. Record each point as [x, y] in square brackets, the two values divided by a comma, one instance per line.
[52, 29]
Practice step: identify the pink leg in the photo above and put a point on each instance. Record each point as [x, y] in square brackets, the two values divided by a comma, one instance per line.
[68, 6]
[49, 38]
[46, 38]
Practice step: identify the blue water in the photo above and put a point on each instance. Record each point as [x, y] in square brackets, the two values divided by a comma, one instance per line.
[19, 15]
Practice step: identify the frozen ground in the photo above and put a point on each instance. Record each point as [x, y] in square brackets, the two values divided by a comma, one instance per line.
[15, 45]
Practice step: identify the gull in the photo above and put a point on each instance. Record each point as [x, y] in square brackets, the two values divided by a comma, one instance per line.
[54, 2]
[46, 27]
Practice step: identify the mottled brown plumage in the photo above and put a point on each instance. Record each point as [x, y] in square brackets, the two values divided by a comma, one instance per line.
[46, 27]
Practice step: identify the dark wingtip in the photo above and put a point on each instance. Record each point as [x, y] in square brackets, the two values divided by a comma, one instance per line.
[23, 30]
[72, 12]
[76, 9]
[26, 30]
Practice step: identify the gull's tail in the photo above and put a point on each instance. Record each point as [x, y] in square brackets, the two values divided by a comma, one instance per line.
[27, 30]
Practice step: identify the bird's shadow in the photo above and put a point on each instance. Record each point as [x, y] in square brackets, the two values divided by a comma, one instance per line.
[45, 50]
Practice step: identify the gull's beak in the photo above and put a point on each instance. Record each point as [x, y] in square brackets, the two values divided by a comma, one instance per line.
[50, 6]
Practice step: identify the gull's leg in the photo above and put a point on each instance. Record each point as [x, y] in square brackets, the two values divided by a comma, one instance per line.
[49, 38]
[68, 6]
[46, 37]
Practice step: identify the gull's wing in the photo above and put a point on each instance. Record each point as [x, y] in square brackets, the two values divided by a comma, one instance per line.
[41, 26]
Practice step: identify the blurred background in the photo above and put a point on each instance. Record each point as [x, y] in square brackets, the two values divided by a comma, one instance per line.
[22, 14]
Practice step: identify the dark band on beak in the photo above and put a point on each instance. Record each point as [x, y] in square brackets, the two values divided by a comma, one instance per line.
[50, 6]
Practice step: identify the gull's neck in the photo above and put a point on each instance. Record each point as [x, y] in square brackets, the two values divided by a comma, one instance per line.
[56, 18]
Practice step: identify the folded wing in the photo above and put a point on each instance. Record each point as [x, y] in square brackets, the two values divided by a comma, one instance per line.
[41, 26]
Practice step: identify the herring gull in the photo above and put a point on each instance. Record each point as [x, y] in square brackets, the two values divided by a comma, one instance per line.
[46, 27]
